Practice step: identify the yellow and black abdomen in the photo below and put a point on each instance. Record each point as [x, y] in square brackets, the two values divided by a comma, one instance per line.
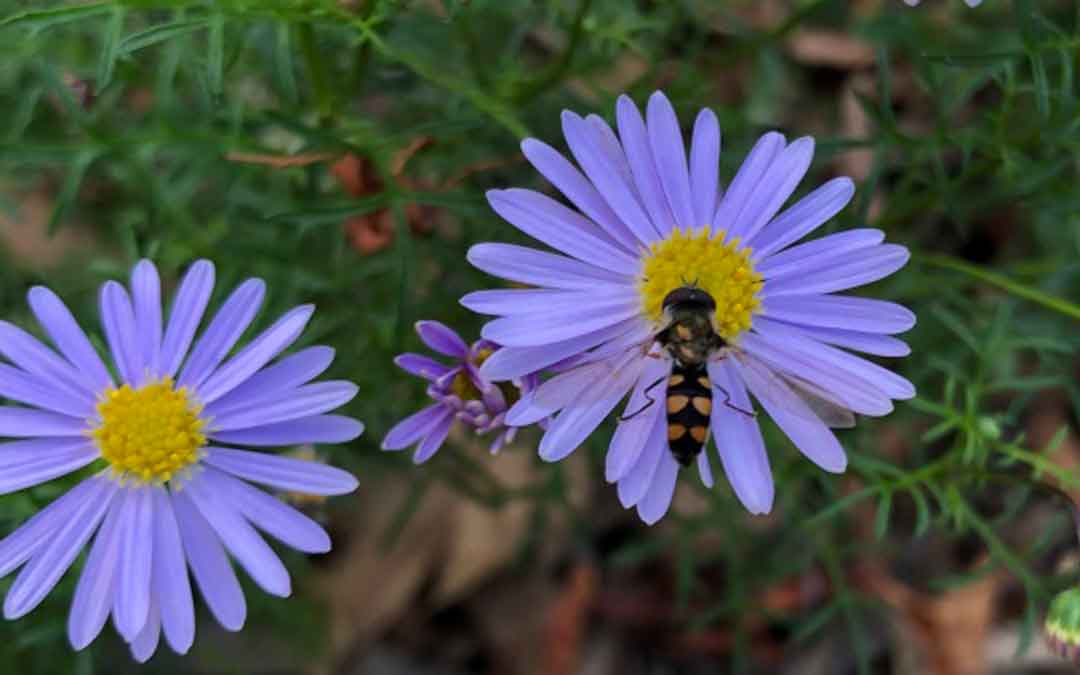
[689, 404]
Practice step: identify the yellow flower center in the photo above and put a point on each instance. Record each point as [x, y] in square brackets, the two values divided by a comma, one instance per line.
[696, 258]
[149, 433]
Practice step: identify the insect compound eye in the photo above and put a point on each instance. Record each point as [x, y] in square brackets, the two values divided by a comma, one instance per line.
[689, 298]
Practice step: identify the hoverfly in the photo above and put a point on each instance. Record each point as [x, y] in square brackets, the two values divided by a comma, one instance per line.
[689, 336]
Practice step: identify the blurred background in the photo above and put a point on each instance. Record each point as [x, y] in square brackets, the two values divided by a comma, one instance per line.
[341, 149]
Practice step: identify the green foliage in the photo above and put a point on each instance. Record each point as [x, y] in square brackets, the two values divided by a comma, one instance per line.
[182, 86]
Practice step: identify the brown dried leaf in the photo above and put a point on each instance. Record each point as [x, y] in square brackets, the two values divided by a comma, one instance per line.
[834, 49]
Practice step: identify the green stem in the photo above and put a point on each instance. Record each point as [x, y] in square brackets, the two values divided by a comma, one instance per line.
[558, 69]
[1018, 289]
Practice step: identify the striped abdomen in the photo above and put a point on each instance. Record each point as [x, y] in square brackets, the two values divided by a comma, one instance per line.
[689, 404]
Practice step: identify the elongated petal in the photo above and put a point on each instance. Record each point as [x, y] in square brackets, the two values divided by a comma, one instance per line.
[146, 301]
[26, 352]
[53, 559]
[257, 354]
[40, 530]
[97, 583]
[854, 392]
[28, 423]
[60, 325]
[518, 301]
[569, 181]
[539, 328]
[634, 485]
[421, 366]
[639, 154]
[271, 515]
[809, 434]
[187, 312]
[24, 464]
[776, 186]
[414, 427]
[132, 601]
[839, 311]
[856, 269]
[19, 385]
[802, 218]
[538, 268]
[594, 403]
[869, 343]
[145, 643]
[314, 429]
[442, 339]
[606, 176]
[241, 540]
[118, 320]
[225, 329]
[548, 221]
[44, 392]
[746, 180]
[739, 442]
[669, 153]
[882, 379]
[170, 581]
[283, 473]
[287, 374]
[433, 440]
[705, 166]
[511, 362]
[209, 565]
[792, 260]
[305, 401]
[558, 392]
[657, 500]
[646, 403]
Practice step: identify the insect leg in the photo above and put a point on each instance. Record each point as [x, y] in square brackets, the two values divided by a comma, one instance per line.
[728, 403]
[626, 418]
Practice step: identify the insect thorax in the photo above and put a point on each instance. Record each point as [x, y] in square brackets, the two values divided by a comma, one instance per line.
[690, 337]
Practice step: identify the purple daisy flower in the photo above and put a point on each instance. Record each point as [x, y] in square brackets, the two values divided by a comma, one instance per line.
[460, 393]
[172, 495]
[653, 241]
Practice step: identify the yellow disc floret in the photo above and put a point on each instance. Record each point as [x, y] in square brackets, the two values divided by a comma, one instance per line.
[149, 433]
[699, 258]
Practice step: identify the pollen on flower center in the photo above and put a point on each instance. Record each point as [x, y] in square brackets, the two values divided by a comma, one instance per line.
[149, 433]
[697, 258]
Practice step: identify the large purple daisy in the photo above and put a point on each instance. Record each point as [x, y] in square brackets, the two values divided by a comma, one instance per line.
[171, 494]
[648, 224]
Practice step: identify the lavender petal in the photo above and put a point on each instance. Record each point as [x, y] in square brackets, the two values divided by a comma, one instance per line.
[118, 320]
[241, 540]
[33, 535]
[187, 312]
[669, 153]
[304, 401]
[314, 429]
[705, 166]
[25, 464]
[434, 439]
[776, 186]
[538, 268]
[26, 352]
[146, 302]
[442, 339]
[634, 485]
[53, 559]
[831, 274]
[270, 382]
[840, 311]
[94, 592]
[19, 385]
[631, 434]
[256, 354]
[739, 442]
[792, 260]
[802, 218]
[209, 564]
[60, 325]
[414, 427]
[568, 180]
[225, 329]
[542, 327]
[548, 221]
[271, 515]
[657, 500]
[28, 423]
[639, 154]
[283, 473]
[747, 179]
[170, 584]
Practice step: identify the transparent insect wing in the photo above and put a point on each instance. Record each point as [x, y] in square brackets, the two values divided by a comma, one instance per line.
[818, 402]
